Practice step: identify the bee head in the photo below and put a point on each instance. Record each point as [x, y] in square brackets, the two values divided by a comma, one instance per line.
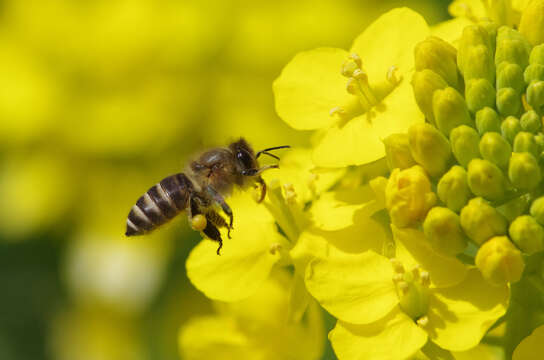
[244, 155]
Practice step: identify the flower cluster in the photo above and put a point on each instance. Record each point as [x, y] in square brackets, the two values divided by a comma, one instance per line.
[417, 250]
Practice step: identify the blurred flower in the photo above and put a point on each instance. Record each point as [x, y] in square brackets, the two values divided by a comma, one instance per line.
[531, 347]
[255, 328]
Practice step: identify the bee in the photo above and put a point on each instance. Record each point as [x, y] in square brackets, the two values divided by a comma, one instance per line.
[204, 184]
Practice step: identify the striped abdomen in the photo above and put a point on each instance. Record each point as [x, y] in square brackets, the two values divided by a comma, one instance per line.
[159, 204]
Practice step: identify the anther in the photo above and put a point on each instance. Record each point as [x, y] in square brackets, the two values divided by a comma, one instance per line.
[290, 194]
[352, 86]
[423, 321]
[357, 59]
[425, 278]
[398, 278]
[397, 266]
[416, 272]
[403, 287]
[275, 248]
[338, 111]
[392, 75]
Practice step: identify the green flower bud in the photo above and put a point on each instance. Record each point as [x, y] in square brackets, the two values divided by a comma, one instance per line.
[508, 102]
[453, 188]
[450, 110]
[499, 261]
[539, 140]
[496, 149]
[531, 122]
[479, 93]
[481, 222]
[514, 208]
[491, 28]
[443, 230]
[439, 56]
[485, 179]
[527, 234]
[408, 196]
[533, 72]
[537, 55]
[535, 96]
[397, 152]
[531, 24]
[510, 127]
[474, 36]
[425, 83]
[525, 142]
[537, 210]
[479, 64]
[510, 76]
[523, 171]
[512, 47]
[488, 120]
[429, 148]
[464, 142]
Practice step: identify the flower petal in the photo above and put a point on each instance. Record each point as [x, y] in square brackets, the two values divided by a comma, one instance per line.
[413, 249]
[460, 316]
[355, 288]
[451, 30]
[532, 347]
[309, 86]
[393, 337]
[245, 260]
[390, 40]
[359, 141]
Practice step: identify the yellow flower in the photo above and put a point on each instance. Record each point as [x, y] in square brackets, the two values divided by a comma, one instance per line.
[532, 347]
[311, 91]
[388, 309]
[256, 328]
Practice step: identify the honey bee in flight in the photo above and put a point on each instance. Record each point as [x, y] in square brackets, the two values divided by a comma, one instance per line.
[205, 183]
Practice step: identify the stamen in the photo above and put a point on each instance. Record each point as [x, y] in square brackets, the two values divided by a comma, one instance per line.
[398, 278]
[338, 111]
[357, 59]
[403, 287]
[392, 75]
[423, 321]
[275, 248]
[290, 194]
[362, 79]
[425, 278]
[397, 266]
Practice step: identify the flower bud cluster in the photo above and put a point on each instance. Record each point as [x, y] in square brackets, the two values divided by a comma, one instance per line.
[481, 152]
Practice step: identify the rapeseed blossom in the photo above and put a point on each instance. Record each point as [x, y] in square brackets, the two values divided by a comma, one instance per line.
[357, 97]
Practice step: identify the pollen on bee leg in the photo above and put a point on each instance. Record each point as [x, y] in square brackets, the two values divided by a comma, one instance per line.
[423, 321]
[198, 222]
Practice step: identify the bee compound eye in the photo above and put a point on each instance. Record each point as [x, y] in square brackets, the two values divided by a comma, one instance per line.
[244, 158]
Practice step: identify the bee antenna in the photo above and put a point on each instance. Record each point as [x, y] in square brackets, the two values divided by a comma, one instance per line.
[266, 151]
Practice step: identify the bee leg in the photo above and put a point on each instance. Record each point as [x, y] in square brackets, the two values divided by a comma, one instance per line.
[261, 182]
[221, 201]
[217, 220]
[212, 232]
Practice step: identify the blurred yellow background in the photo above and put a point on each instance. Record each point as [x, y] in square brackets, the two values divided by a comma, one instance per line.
[101, 99]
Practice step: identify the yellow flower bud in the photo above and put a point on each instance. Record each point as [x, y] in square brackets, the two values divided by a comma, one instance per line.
[537, 210]
[485, 179]
[479, 64]
[535, 96]
[425, 83]
[527, 234]
[510, 127]
[525, 142]
[533, 72]
[443, 230]
[508, 102]
[397, 152]
[523, 171]
[472, 37]
[479, 94]
[464, 142]
[531, 122]
[429, 148]
[510, 76]
[408, 196]
[450, 110]
[531, 24]
[537, 55]
[496, 149]
[453, 188]
[488, 120]
[439, 56]
[512, 47]
[480, 221]
[499, 261]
